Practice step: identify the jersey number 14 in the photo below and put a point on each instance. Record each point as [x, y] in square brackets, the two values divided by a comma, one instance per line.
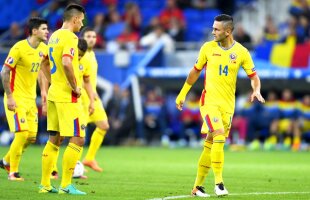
[223, 70]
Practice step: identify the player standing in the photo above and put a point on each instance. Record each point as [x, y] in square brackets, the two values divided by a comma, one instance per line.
[19, 77]
[64, 110]
[99, 117]
[221, 59]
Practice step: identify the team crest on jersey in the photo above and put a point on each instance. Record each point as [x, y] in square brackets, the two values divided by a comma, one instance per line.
[81, 67]
[215, 119]
[196, 61]
[83, 127]
[10, 60]
[233, 58]
[22, 120]
[72, 52]
[41, 54]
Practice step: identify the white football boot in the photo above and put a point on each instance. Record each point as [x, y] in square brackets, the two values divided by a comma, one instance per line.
[220, 190]
[199, 192]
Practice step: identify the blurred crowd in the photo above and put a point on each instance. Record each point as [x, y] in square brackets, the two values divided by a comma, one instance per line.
[126, 28]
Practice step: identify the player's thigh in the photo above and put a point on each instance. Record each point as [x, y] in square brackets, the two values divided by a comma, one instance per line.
[99, 113]
[32, 117]
[52, 117]
[17, 119]
[71, 119]
[212, 119]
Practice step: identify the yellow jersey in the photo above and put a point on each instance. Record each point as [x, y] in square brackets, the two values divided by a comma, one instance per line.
[221, 70]
[62, 43]
[89, 59]
[24, 62]
[84, 69]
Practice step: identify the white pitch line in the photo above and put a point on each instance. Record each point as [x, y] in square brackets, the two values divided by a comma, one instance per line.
[234, 194]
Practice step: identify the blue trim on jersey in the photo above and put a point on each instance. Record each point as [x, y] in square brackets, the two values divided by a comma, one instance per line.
[228, 47]
[30, 44]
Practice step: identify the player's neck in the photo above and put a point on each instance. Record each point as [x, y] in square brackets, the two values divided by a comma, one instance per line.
[227, 43]
[89, 49]
[68, 26]
[33, 41]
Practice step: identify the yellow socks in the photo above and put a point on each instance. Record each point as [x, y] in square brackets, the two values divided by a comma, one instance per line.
[30, 140]
[71, 156]
[49, 156]
[16, 150]
[204, 164]
[55, 168]
[217, 157]
[95, 143]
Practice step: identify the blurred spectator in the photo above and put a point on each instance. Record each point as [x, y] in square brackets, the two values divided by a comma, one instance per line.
[299, 7]
[176, 31]
[158, 34]
[99, 27]
[288, 114]
[116, 26]
[121, 116]
[242, 37]
[153, 23]
[293, 29]
[271, 32]
[302, 127]
[53, 14]
[128, 39]
[16, 34]
[304, 23]
[171, 11]
[191, 119]
[132, 16]
[238, 132]
[154, 116]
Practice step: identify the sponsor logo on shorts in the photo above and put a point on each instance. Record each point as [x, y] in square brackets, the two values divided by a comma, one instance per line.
[215, 119]
[22, 120]
[81, 67]
[83, 127]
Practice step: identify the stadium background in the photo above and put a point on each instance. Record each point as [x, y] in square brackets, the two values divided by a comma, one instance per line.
[138, 83]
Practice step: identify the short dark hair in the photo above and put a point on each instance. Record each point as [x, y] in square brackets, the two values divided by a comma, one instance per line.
[227, 20]
[82, 45]
[35, 23]
[71, 10]
[86, 29]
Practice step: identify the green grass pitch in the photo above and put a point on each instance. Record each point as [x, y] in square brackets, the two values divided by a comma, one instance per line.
[149, 173]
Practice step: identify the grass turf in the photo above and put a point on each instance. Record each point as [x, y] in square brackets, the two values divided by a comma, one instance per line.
[146, 173]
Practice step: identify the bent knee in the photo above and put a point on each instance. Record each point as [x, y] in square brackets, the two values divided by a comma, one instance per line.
[103, 125]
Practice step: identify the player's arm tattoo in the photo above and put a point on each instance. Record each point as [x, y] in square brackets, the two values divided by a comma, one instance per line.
[5, 76]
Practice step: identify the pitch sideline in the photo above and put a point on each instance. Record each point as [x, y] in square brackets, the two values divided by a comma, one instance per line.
[234, 194]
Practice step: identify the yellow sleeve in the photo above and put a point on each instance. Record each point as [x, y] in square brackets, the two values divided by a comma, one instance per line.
[70, 47]
[248, 65]
[202, 59]
[86, 65]
[13, 57]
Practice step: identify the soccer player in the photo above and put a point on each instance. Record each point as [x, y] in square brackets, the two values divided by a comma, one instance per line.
[64, 110]
[19, 77]
[99, 117]
[221, 59]
[84, 73]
